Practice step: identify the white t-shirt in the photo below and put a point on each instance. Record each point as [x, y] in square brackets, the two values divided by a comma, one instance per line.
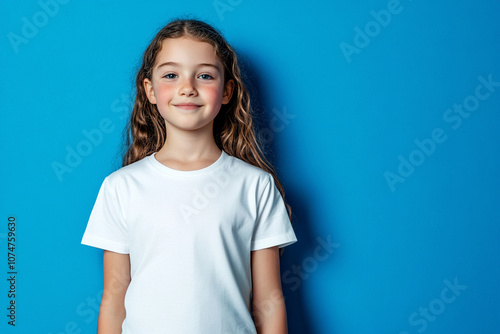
[189, 235]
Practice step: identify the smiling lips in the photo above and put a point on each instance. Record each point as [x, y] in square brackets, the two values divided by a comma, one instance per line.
[187, 106]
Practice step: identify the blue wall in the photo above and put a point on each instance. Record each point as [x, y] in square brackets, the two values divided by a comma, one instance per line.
[382, 118]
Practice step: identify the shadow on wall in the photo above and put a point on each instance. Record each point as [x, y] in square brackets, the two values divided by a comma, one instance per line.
[302, 259]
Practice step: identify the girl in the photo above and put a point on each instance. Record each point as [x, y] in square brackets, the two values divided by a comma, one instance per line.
[192, 223]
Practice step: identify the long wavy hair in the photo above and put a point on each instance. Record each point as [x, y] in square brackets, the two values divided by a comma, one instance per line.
[233, 127]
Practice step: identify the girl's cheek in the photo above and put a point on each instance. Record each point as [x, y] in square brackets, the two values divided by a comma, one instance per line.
[164, 89]
[214, 93]
[165, 86]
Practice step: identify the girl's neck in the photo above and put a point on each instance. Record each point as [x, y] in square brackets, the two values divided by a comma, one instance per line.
[188, 150]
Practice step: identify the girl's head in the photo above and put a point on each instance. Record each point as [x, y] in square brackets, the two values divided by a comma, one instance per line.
[233, 130]
[187, 85]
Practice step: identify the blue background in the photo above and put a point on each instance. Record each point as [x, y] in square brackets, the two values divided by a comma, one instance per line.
[335, 122]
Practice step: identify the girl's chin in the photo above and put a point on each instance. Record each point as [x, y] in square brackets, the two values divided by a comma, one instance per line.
[189, 126]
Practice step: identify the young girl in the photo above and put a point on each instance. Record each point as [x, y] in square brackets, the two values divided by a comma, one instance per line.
[192, 224]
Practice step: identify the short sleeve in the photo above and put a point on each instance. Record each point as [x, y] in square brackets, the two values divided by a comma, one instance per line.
[272, 226]
[106, 227]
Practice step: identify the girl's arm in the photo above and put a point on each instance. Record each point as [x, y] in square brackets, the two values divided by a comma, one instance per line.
[268, 304]
[116, 270]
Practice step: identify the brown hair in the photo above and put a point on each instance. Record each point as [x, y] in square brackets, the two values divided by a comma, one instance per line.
[233, 128]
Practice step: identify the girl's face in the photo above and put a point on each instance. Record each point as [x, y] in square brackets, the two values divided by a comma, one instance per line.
[187, 84]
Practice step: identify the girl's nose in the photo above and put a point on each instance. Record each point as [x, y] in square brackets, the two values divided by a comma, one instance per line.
[187, 88]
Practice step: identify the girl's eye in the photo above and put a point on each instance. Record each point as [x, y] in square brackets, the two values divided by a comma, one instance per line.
[170, 76]
[206, 76]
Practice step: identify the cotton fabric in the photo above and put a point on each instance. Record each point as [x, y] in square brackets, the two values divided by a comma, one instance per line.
[189, 235]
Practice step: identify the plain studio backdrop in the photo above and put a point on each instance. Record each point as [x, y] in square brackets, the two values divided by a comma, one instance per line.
[381, 117]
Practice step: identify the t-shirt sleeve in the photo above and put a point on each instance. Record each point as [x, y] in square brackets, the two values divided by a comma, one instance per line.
[106, 228]
[272, 226]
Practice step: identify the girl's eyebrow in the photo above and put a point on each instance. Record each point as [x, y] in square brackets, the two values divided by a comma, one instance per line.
[199, 65]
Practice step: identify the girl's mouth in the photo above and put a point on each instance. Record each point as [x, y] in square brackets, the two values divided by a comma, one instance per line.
[187, 106]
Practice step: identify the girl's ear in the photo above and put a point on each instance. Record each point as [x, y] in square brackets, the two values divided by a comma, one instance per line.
[228, 92]
[148, 87]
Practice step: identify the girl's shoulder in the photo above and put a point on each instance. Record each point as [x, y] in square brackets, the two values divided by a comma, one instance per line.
[237, 166]
[126, 173]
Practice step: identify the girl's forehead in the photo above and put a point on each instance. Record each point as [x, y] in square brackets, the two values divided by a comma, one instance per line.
[186, 49]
